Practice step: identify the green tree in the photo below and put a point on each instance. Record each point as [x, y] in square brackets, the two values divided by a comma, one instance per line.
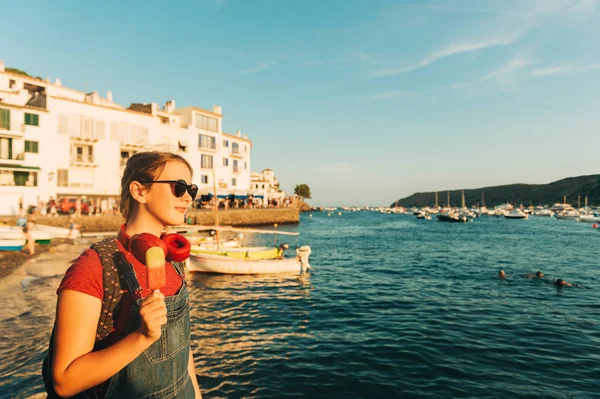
[303, 191]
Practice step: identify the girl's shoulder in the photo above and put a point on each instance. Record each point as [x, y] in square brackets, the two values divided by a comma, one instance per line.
[84, 275]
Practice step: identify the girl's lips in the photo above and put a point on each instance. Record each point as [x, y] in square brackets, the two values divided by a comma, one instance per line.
[182, 210]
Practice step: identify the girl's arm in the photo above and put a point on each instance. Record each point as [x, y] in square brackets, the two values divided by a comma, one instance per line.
[192, 372]
[75, 367]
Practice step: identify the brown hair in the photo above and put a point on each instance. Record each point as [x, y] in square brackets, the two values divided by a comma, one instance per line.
[146, 165]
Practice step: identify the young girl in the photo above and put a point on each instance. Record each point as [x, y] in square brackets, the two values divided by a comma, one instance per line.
[147, 354]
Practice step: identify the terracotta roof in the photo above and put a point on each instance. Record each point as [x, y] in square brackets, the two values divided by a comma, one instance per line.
[103, 106]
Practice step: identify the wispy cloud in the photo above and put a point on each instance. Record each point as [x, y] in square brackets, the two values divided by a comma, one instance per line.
[218, 4]
[258, 68]
[450, 50]
[565, 69]
[505, 72]
[583, 6]
[392, 94]
[469, 9]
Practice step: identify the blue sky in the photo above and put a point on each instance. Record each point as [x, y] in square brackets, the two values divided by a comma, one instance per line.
[364, 101]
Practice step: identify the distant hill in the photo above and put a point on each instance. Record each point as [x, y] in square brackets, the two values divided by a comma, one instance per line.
[526, 194]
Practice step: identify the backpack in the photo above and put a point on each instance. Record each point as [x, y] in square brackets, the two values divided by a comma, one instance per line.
[117, 274]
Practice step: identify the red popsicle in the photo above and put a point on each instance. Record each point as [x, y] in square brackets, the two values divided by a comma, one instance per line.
[156, 273]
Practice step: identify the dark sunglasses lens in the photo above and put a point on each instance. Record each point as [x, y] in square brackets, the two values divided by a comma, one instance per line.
[193, 190]
[180, 188]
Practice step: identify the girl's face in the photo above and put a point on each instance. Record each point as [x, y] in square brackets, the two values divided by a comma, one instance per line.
[161, 201]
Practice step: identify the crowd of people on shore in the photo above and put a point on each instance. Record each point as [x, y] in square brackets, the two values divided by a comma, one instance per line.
[244, 203]
[77, 206]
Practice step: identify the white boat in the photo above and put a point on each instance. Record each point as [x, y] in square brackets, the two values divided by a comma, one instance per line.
[516, 214]
[209, 263]
[589, 218]
[544, 212]
[210, 242]
[571, 214]
[12, 245]
[16, 233]
[58, 232]
[424, 216]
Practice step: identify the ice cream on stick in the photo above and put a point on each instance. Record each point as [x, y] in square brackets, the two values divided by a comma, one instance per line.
[156, 273]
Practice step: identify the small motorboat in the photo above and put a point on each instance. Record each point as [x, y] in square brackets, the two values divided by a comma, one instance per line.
[452, 217]
[516, 214]
[11, 245]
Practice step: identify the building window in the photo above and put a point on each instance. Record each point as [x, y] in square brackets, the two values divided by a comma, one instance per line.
[225, 161]
[263, 186]
[82, 153]
[233, 181]
[205, 141]
[257, 186]
[204, 179]
[235, 166]
[28, 179]
[63, 177]
[206, 123]
[32, 147]
[245, 165]
[5, 148]
[5, 119]
[225, 143]
[32, 119]
[125, 155]
[235, 148]
[63, 124]
[206, 161]
[245, 148]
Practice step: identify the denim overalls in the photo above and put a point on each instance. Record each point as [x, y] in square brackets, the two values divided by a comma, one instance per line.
[161, 371]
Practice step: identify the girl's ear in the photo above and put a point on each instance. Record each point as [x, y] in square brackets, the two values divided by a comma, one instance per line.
[138, 192]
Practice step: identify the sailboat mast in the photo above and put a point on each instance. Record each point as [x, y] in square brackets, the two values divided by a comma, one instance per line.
[448, 199]
[463, 198]
[216, 207]
[482, 200]
[436, 199]
[578, 202]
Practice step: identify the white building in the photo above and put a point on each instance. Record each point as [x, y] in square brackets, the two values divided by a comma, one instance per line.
[265, 185]
[56, 141]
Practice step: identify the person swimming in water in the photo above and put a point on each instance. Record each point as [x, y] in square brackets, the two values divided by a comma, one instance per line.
[501, 273]
[561, 283]
[537, 274]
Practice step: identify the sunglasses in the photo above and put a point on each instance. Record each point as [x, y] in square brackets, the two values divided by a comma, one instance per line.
[178, 187]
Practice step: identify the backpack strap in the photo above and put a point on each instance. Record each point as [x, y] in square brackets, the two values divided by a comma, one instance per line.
[117, 274]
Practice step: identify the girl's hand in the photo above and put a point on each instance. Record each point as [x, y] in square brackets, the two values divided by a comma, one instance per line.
[153, 315]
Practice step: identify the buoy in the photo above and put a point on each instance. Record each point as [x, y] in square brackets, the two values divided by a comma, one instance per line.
[595, 226]
[340, 213]
[310, 215]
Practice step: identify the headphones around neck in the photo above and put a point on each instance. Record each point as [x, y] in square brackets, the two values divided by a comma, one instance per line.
[176, 247]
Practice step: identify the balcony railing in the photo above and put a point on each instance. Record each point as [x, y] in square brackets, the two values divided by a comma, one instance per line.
[15, 158]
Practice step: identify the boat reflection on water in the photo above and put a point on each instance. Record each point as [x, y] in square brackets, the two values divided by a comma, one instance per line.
[242, 321]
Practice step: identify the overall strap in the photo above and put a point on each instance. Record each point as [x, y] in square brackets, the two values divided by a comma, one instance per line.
[179, 266]
[117, 274]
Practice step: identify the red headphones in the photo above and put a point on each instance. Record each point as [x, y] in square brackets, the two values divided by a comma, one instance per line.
[176, 247]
